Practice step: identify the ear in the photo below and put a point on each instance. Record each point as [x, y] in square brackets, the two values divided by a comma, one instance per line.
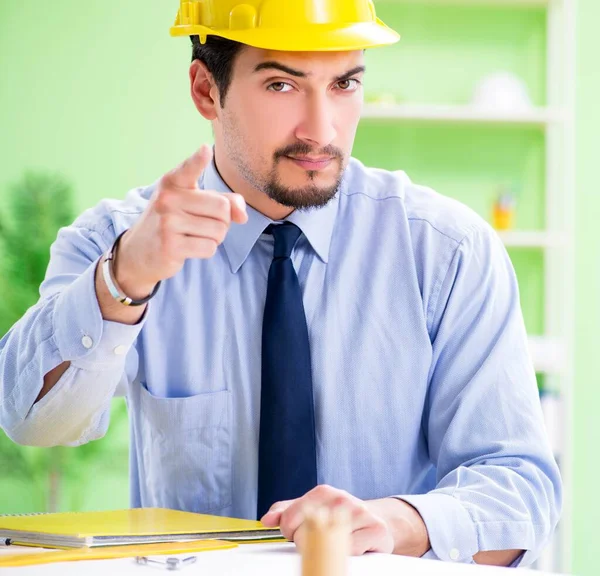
[205, 93]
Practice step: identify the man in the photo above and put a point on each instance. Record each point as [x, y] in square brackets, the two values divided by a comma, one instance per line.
[291, 328]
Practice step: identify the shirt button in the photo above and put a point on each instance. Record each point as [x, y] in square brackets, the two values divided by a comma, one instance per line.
[454, 554]
[120, 350]
[87, 342]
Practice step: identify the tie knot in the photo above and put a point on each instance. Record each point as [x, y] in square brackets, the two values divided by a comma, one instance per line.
[286, 235]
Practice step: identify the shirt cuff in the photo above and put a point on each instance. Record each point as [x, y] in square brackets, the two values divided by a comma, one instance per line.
[452, 534]
[82, 336]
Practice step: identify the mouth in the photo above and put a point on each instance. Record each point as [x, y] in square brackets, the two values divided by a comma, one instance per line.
[311, 163]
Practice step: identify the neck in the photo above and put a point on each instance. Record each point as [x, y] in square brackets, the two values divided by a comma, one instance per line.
[253, 197]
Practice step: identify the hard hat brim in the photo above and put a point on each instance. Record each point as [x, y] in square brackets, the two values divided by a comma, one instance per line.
[317, 38]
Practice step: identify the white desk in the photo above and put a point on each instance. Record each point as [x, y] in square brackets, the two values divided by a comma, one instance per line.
[265, 560]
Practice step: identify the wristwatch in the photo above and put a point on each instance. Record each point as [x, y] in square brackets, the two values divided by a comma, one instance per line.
[111, 283]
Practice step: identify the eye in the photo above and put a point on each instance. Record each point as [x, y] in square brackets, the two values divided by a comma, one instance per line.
[348, 85]
[280, 87]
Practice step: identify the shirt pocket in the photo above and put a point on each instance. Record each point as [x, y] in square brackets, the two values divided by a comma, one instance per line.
[186, 451]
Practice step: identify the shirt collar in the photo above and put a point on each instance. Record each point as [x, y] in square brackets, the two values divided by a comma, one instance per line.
[316, 224]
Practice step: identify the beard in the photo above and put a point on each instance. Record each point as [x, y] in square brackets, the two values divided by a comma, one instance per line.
[304, 197]
[311, 195]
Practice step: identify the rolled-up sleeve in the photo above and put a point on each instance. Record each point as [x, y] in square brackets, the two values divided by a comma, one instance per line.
[498, 486]
[66, 325]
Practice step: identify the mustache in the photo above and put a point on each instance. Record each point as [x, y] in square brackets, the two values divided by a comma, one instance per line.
[305, 149]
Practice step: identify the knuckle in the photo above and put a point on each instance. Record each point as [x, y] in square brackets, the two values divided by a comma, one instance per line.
[345, 497]
[324, 490]
[222, 203]
[344, 500]
[165, 183]
[221, 207]
[163, 203]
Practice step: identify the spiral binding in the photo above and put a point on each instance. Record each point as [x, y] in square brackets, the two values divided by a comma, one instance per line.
[20, 515]
[8, 541]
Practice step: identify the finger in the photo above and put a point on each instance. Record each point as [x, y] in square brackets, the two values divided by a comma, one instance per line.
[376, 537]
[209, 204]
[187, 174]
[239, 213]
[321, 496]
[226, 206]
[273, 516]
[190, 247]
[196, 227]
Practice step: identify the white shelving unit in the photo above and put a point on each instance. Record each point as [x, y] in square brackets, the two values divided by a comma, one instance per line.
[552, 353]
[548, 354]
[461, 114]
[533, 239]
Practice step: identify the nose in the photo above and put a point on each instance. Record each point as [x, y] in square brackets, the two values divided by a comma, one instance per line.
[317, 126]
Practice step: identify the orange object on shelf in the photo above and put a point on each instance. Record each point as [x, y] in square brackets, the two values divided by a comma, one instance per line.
[503, 214]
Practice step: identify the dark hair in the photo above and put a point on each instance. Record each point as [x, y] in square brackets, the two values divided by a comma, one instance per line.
[218, 54]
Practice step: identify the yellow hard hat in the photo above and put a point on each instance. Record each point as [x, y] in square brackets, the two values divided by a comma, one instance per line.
[288, 25]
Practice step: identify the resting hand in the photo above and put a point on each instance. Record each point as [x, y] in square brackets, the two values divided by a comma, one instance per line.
[388, 525]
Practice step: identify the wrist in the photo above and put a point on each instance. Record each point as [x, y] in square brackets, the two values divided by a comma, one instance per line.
[406, 525]
[130, 283]
[127, 296]
[130, 280]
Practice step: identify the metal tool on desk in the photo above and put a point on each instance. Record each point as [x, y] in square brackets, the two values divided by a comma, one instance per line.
[168, 564]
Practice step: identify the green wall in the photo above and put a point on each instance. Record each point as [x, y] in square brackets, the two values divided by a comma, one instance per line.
[101, 95]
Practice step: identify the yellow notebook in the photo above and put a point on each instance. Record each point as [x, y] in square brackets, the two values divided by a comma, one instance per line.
[122, 527]
[20, 557]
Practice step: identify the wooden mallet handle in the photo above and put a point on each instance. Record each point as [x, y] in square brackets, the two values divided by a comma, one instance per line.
[327, 543]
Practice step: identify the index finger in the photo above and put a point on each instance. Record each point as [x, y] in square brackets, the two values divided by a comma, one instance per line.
[321, 496]
[187, 174]
[273, 515]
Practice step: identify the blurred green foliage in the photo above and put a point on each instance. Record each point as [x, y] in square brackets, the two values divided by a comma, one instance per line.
[38, 206]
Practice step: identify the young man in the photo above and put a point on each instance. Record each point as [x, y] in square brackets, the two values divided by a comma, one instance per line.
[324, 334]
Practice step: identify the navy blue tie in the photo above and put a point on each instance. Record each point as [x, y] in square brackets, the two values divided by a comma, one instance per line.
[287, 461]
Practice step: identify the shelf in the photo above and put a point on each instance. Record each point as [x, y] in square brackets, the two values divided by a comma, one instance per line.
[531, 239]
[459, 114]
[547, 354]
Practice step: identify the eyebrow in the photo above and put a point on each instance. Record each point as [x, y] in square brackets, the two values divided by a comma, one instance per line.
[272, 65]
[350, 73]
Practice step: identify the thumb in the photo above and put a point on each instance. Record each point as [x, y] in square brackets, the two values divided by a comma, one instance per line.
[187, 174]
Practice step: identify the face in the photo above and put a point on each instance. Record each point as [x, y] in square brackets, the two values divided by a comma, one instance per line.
[289, 121]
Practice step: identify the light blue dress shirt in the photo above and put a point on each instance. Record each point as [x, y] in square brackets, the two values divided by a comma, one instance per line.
[423, 386]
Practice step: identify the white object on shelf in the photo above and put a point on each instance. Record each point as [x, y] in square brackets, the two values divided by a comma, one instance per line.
[548, 354]
[531, 238]
[552, 409]
[502, 92]
[460, 114]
